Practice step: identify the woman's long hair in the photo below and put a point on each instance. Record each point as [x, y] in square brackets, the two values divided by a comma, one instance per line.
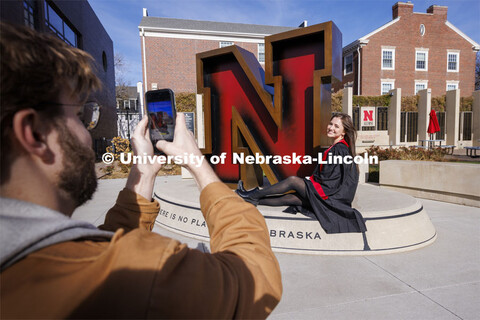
[350, 132]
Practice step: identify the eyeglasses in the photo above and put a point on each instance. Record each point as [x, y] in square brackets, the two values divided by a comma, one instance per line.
[89, 113]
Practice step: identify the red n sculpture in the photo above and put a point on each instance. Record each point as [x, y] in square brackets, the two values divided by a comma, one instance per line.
[281, 111]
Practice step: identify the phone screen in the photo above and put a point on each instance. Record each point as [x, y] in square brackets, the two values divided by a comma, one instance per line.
[161, 114]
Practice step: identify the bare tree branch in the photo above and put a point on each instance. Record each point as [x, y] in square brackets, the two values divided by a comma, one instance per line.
[120, 83]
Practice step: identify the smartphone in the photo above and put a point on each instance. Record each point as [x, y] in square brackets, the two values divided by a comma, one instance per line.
[161, 114]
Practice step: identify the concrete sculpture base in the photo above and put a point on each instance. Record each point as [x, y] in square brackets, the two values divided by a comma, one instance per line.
[396, 222]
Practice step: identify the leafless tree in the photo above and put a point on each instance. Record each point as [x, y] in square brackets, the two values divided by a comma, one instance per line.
[120, 83]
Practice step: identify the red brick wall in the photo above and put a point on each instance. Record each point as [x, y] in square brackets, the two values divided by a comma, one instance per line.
[171, 62]
[405, 37]
[401, 8]
[351, 77]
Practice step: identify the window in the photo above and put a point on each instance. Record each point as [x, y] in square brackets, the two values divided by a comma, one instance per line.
[224, 44]
[388, 59]
[261, 52]
[348, 62]
[420, 85]
[28, 13]
[422, 29]
[133, 104]
[386, 86]
[452, 85]
[421, 60]
[452, 61]
[59, 26]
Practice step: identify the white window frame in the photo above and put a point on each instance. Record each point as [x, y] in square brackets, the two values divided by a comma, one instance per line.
[456, 53]
[451, 83]
[393, 59]
[345, 64]
[386, 81]
[426, 59]
[259, 52]
[223, 44]
[417, 82]
[133, 105]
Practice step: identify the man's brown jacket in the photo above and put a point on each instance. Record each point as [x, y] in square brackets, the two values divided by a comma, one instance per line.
[140, 274]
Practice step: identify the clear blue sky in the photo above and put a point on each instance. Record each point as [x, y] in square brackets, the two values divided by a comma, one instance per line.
[355, 18]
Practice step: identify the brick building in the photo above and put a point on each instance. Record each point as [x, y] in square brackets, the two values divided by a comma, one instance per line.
[76, 23]
[414, 51]
[169, 47]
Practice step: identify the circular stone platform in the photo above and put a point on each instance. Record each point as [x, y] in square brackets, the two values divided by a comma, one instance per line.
[395, 222]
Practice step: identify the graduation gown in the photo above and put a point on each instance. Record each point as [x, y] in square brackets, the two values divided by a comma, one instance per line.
[330, 191]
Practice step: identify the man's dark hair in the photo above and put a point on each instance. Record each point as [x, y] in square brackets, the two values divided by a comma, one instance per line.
[35, 68]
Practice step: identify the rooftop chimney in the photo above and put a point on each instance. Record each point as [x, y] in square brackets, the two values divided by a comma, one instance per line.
[145, 12]
[401, 9]
[438, 10]
[304, 24]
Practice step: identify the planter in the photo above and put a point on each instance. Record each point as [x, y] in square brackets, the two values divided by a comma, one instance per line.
[442, 181]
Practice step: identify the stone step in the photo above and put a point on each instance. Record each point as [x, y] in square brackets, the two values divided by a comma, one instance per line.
[395, 222]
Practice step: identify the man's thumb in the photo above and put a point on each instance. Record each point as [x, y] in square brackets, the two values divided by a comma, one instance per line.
[162, 145]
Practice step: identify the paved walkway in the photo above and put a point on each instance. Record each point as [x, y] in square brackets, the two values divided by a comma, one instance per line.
[441, 281]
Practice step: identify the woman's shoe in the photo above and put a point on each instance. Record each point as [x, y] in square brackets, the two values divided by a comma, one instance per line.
[247, 198]
[240, 186]
[251, 200]
[244, 193]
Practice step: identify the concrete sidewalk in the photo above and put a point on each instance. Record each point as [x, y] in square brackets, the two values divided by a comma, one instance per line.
[441, 281]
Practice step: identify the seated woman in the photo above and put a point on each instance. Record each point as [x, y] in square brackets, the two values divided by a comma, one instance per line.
[330, 190]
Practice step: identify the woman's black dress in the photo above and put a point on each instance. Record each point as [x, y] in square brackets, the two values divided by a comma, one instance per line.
[331, 190]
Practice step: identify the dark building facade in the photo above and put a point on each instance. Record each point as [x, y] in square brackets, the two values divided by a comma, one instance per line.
[76, 23]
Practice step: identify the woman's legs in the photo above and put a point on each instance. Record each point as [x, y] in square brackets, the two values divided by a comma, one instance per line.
[290, 184]
[290, 199]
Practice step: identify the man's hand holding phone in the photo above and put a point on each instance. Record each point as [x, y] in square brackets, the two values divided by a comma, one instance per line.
[161, 111]
[169, 132]
[184, 143]
[142, 176]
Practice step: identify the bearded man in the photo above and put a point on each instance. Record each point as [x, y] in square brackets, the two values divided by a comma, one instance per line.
[55, 267]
